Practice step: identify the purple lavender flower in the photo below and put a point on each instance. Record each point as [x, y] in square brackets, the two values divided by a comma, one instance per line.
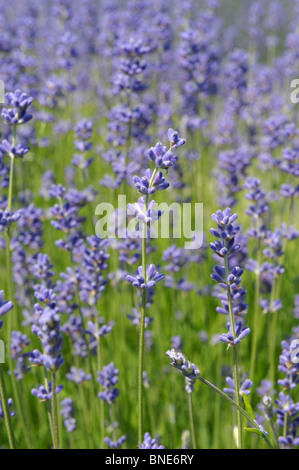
[114, 444]
[18, 114]
[11, 412]
[43, 394]
[78, 376]
[174, 139]
[149, 184]
[47, 327]
[5, 306]
[162, 157]
[150, 443]
[136, 318]
[150, 280]
[68, 413]
[145, 216]
[8, 218]
[240, 333]
[245, 386]
[11, 151]
[108, 378]
[180, 362]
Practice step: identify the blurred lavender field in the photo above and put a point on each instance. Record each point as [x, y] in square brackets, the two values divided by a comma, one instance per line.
[182, 102]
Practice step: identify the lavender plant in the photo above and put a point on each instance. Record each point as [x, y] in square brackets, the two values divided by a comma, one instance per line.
[147, 275]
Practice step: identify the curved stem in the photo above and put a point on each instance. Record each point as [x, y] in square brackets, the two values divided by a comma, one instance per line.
[235, 405]
[3, 396]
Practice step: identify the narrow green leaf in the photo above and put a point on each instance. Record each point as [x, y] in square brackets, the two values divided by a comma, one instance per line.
[255, 431]
[248, 407]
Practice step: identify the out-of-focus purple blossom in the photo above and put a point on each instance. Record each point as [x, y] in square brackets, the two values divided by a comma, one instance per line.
[78, 376]
[108, 378]
[244, 388]
[11, 412]
[8, 218]
[150, 443]
[68, 413]
[135, 318]
[114, 444]
[5, 306]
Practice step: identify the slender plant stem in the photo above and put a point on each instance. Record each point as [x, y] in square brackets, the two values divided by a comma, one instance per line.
[141, 334]
[255, 325]
[235, 359]
[48, 404]
[54, 412]
[99, 364]
[142, 321]
[272, 334]
[140, 370]
[192, 421]
[11, 172]
[3, 396]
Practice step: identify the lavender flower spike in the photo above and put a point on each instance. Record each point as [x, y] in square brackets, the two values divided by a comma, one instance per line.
[152, 277]
[240, 333]
[180, 362]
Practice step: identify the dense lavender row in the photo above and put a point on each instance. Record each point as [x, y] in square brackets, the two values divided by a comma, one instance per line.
[161, 102]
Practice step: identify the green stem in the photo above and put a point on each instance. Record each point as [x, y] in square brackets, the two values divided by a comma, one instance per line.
[3, 396]
[272, 334]
[285, 425]
[255, 326]
[48, 404]
[140, 370]
[99, 364]
[11, 173]
[141, 335]
[235, 359]
[54, 412]
[192, 421]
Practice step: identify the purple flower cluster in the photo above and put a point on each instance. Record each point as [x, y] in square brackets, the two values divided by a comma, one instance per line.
[47, 327]
[229, 279]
